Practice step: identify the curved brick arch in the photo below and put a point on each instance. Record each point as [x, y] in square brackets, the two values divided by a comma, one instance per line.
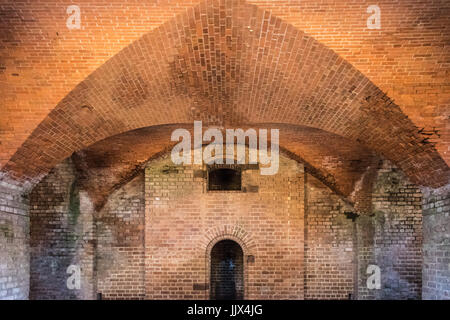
[228, 63]
[228, 232]
[238, 235]
[106, 165]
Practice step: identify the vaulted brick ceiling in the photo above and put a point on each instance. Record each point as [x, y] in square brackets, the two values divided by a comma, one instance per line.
[232, 64]
[108, 164]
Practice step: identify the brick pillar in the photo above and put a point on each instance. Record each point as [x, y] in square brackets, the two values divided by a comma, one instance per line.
[14, 243]
[436, 244]
[86, 250]
[390, 237]
[61, 235]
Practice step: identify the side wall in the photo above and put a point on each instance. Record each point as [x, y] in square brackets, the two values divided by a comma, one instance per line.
[107, 246]
[151, 238]
[14, 243]
[329, 252]
[436, 245]
[390, 237]
[182, 218]
[61, 235]
[120, 249]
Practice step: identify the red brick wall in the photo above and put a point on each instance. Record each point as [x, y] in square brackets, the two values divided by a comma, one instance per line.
[14, 243]
[329, 252]
[61, 234]
[120, 243]
[182, 219]
[397, 205]
[264, 73]
[153, 236]
[42, 60]
[391, 237]
[436, 246]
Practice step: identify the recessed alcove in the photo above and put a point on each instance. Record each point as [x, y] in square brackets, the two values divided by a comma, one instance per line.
[227, 271]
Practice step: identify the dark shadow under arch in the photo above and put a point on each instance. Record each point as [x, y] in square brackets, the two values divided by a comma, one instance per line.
[227, 271]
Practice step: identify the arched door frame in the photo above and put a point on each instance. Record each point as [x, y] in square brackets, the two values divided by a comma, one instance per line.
[245, 253]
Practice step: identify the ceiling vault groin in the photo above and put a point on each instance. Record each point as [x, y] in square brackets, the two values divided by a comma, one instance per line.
[228, 64]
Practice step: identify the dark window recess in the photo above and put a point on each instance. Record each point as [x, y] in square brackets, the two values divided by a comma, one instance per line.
[227, 271]
[224, 179]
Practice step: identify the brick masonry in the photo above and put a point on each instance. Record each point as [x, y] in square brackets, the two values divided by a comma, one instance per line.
[183, 218]
[14, 243]
[120, 238]
[388, 235]
[61, 235]
[391, 237]
[153, 237]
[397, 209]
[329, 251]
[436, 249]
[226, 63]
[311, 65]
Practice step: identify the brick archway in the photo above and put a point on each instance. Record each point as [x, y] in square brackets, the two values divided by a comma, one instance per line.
[309, 67]
[187, 69]
[336, 161]
[239, 236]
[227, 271]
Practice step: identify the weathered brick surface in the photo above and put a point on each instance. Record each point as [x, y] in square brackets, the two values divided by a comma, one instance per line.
[388, 234]
[120, 238]
[436, 246]
[391, 237]
[226, 62]
[182, 219]
[312, 66]
[117, 158]
[14, 243]
[153, 237]
[61, 235]
[329, 252]
[397, 206]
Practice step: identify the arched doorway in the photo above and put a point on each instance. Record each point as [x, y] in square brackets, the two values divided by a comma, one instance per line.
[227, 271]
